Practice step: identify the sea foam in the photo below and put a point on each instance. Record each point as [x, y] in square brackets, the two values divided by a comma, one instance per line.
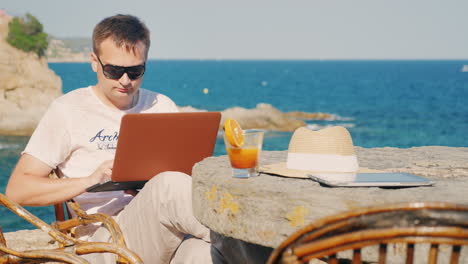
[318, 127]
[8, 146]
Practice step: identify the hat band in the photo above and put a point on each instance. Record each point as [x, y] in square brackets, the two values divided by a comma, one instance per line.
[322, 162]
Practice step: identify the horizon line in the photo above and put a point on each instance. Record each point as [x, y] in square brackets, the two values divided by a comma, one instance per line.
[283, 59]
[315, 59]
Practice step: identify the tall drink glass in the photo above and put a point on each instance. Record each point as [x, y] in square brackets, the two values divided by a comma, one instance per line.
[244, 159]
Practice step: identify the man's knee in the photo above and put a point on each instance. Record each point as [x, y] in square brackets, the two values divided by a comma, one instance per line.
[193, 250]
[170, 181]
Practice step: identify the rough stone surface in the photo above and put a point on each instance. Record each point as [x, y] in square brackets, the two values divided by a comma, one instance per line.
[266, 209]
[24, 240]
[29, 240]
[27, 86]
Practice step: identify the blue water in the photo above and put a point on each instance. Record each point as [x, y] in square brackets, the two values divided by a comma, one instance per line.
[382, 103]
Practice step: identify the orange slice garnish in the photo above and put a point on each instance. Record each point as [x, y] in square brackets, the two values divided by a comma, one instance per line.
[234, 133]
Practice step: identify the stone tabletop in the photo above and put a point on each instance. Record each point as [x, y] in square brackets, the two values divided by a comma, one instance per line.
[266, 209]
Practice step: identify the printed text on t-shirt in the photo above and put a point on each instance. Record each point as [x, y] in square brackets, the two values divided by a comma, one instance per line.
[105, 141]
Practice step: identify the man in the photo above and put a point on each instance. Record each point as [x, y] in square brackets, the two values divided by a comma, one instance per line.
[77, 138]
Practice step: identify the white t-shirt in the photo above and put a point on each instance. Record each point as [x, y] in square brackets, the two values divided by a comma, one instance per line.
[79, 132]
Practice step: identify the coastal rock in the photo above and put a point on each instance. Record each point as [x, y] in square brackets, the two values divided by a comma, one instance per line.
[27, 86]
[189, 109]
[265, 116]
[311, 116]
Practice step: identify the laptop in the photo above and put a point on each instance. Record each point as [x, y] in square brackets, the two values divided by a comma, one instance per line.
[380, 179]
[150, 143]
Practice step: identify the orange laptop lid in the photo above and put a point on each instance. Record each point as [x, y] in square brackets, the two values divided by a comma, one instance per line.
[153, 143]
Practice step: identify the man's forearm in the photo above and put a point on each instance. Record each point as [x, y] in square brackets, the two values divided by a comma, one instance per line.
[39, 191]
[30, 184]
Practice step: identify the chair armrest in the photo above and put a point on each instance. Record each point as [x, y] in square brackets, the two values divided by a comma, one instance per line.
[70, 244]
[83, 218]
[8, 255]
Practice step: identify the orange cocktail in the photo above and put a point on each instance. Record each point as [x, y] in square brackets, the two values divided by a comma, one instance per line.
[243, 158]
[243, 148]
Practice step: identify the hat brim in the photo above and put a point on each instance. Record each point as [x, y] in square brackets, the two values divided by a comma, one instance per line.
[280, 169]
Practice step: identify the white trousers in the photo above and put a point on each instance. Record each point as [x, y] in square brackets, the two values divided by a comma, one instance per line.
[159, 225]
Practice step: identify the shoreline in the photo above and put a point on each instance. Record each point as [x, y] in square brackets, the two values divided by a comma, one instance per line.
[264, 116]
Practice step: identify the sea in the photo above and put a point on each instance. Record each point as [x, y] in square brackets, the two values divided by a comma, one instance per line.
[388, 103]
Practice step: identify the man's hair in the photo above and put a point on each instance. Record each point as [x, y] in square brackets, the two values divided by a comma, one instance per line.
[124, 30]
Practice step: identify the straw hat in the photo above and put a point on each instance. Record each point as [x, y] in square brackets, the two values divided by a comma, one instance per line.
[326, 151]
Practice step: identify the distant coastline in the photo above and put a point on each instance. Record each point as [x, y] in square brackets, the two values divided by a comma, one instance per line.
[69, 50]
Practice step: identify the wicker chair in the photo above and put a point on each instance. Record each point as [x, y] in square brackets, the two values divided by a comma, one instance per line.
[69, 247]
[378, 232]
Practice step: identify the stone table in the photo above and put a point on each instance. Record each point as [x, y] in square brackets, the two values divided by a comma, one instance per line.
[257, 214]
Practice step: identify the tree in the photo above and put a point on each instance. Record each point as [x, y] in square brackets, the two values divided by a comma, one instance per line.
[26, 33]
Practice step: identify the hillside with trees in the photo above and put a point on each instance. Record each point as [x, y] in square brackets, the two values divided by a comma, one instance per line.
[26, 33]
[27, 85]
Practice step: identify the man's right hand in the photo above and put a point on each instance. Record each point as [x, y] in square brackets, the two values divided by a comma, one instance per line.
[102, 174]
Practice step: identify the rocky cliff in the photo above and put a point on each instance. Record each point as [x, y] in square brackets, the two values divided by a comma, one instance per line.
[27, 86]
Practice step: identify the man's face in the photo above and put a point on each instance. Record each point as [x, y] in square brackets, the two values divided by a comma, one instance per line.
[117, 92]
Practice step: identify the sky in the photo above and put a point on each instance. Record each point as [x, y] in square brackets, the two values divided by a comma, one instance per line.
[273, 29]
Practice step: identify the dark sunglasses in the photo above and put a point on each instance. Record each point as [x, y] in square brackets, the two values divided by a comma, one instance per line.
[115, 72]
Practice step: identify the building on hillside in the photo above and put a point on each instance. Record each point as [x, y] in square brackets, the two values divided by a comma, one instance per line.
[4, 17]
